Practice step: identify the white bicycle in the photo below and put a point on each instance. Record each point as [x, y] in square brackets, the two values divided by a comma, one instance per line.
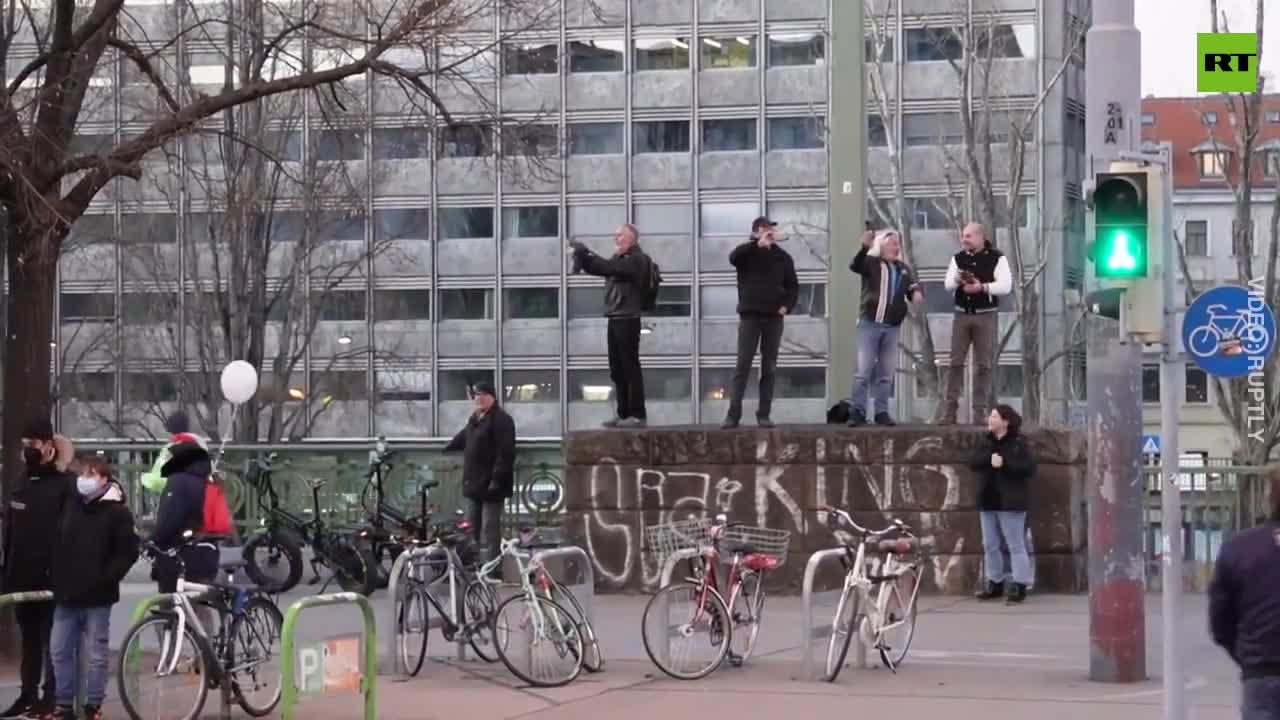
[889, 624]
[1221, 326]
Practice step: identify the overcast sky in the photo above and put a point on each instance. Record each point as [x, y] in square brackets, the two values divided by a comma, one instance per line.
[1169, 30]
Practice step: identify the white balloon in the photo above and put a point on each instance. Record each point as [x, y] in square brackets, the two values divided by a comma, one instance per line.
[239, 381]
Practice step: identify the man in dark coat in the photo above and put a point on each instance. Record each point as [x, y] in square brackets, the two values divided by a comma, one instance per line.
[31, 527]
[488, 444]
[1004, 464]
[182, 509]
[1244, 610]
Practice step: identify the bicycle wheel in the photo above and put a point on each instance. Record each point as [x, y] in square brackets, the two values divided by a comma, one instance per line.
[253, 647]
[413, 616]
[593, 659]
[352, 566]
[747, 610]
[843, 628]
[274, 560]
[689, 608]
[161, 676]
[480, 605]
[548, 630]
[900, 618]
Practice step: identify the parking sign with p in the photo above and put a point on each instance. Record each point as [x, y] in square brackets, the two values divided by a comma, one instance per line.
[1226, 62]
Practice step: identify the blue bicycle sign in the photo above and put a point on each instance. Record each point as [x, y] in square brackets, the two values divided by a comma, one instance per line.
[1225, 328]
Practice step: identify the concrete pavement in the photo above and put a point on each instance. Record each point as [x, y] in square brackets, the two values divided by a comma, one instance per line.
[967, 660]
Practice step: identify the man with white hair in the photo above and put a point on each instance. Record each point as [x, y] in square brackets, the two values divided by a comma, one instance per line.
[887, 287]
[978, 275]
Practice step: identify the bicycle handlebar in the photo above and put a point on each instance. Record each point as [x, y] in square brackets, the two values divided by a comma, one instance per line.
[839, 514]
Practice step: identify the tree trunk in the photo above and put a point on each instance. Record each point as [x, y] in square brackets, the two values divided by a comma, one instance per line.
[27, 396]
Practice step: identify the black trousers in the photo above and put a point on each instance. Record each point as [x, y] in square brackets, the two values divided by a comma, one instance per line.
[763, 332]
[624, 367]
[35, 624]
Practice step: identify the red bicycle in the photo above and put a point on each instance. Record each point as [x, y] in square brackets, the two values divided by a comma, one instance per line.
[692, 618]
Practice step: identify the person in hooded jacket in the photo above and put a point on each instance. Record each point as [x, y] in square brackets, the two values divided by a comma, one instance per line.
[1005, 465]
[31, 524]
[488, 443]
[97, 545]
[178, 425]
[182, 509]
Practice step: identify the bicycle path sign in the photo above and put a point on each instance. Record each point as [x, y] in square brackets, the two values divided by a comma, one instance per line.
[1228, 331]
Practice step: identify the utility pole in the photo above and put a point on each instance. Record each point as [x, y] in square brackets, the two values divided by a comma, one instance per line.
[1117, 637]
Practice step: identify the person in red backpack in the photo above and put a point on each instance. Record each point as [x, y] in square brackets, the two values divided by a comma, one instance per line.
[181, 509]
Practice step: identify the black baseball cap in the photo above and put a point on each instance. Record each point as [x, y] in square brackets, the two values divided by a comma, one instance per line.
[38, 429]
[484, 387]
[762, 222]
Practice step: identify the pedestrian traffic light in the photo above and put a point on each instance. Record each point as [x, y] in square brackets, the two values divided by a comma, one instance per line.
[1120, 202]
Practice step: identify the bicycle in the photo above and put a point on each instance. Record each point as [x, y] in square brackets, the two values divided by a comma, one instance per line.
[229, 657]
[284, 534]
[898, 585]
[1206, 340]
[384, 545]
[754, 551]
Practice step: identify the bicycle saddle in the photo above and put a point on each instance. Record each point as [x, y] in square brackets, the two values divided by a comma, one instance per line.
[901, 546]
[318, 483]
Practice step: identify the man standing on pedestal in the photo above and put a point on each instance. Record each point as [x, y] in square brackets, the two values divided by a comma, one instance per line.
[978, 275]
[767, 292]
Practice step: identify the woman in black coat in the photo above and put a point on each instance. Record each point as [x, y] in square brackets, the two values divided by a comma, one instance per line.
[1005, 466]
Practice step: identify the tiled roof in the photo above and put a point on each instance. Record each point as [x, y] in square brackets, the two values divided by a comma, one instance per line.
[1181, 123]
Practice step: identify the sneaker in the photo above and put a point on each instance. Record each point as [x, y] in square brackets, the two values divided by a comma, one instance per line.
[631, 423]
[764, 422]
[45, 710]
[729, 424]
[613, 423]
[66, 713]
[990, 591]
[856, 418]
[1017, 593]
[18, 709]
[884, 419]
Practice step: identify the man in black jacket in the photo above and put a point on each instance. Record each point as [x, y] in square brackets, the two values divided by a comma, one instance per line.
[96, 547]
[767, 292]
[182, 509]
[978, 275]
[31, 527]
[488, 443]
[1244, 610]
[626, 277]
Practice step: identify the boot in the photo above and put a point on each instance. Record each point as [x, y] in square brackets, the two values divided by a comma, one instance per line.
[856, 418]
[990, 591]
[1017, 593]
[884, 419]
[20, 707]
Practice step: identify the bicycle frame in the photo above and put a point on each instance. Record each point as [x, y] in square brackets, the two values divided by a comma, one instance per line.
[525, 566]
[857, 579]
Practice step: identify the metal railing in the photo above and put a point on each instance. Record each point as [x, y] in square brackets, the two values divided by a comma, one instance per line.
[369, 639]
[809, 632]
[82, 653]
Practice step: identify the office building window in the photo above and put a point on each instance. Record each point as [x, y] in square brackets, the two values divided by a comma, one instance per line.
[596, 138]
[662, 54]
[793, 383]
[149, 228]
[812, 301]
[662, 136]
[280, 145]
[1150, 383]
[149, 308]
[886, 48]
[1213, 164]
[402, 304]
[399, 224]
[660, 384]
[728, 135]
[401, 144]
[728, 218]
[933, 44]
[796, 134]
[673, 301]
[877, 133]
[586, 56]
[92, 230]
[535, 140]
[87, 307]
[339, 386]
[590, 386]
[336, 225]
[791, 49]
[99, 387]
[930, 213]
[403, 385]
[466, 222]
[466, 304]
[457, 385]
[149, 388]
[919, 129]
[530, 58]
[461, 141]
[1197, 386]
[937, 299]
[537, 221]
[1007, 41]
[1009, 381]
[586, 303]
[728, 52]
[339, 145]
[340, 305]
[531, 386]
[532, 303]
[1195, 237]
[719, 301]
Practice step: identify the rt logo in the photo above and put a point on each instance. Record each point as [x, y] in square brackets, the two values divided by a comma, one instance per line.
[1228, 62]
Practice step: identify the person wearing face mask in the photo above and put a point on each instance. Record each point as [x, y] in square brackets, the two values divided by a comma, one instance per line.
[31, 525]
[488, 444]
[1005, 465]
[97, 544]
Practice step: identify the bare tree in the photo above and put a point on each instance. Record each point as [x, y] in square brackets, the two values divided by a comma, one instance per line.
[58, 55]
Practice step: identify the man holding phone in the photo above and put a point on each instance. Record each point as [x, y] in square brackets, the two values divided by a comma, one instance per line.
[767, 292]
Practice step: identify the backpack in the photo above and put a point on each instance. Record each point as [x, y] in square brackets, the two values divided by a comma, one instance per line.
[217, 518]
[653, 281]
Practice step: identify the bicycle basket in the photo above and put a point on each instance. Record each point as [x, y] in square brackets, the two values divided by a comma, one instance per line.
[763, 541]
[667, 539]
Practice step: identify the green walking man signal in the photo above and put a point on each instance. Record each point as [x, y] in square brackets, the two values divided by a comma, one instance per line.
[1120, 231]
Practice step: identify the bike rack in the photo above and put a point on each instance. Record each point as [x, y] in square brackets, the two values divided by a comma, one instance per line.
[585, 591]
[398, 569]
[823, 632]
[140, 612]
[82, 656]
[368, 679]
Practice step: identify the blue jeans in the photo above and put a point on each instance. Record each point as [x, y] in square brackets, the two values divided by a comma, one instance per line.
[877, 362]
[71, 625]
[1012, 526]
[1261, 699]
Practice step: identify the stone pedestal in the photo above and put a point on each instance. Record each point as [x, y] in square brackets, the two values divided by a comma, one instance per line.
[619, 482]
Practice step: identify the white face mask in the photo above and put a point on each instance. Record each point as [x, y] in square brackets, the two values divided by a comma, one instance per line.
[88, 486]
